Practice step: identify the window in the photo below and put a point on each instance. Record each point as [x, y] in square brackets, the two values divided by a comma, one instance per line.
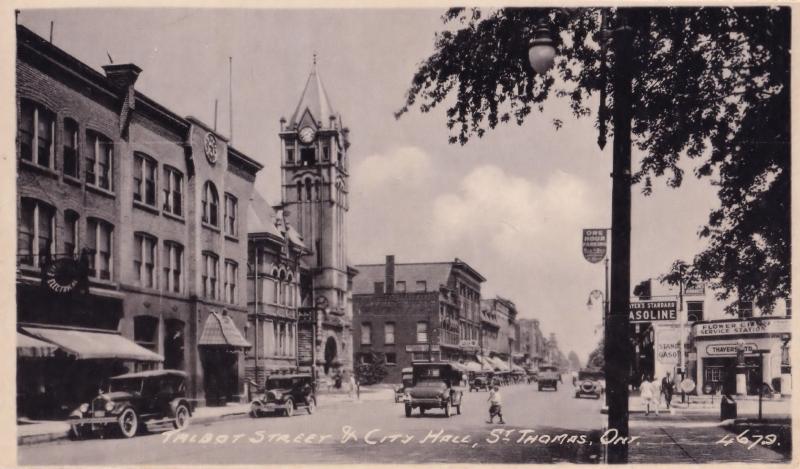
[71, 153]
[231, 272]
[144, 179]
[788, 307]
[366, 334]
[391, 359]
[99, 161]
[210, 275]
[299, 191]
[400, 287]
[388, 333]
[145, 332]
[268, 332]
[694, 311]
[144, 259]
[378, 287]
[422, 285]
[422, 332]
[173, 191]
[210, 204]
[231, 207]
[100, 236]
[326, 152]
[71, 232]
[173, 266]
[35, 134]
[307, 156]
[35, 232]
[290, 155]
[713, 374]
[745, 308]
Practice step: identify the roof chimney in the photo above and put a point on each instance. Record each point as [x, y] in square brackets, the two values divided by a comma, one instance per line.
[122, 75]
[389, 274]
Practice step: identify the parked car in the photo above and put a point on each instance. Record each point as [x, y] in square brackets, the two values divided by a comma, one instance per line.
[548, 377]
[400, 391]
[129, 402]
[480, 381]
[284, 394]
[590, 382]
[435, 386]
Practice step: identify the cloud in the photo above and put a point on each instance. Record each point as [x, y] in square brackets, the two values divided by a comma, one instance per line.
[399, 166]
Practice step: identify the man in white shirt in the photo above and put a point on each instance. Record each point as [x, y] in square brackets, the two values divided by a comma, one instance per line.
[495, 405]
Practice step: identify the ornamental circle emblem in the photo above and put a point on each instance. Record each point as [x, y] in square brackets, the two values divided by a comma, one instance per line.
[62, 275]
[211, 148]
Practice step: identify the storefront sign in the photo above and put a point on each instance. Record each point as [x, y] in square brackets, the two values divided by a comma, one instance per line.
[651, 311]
[468, 344]
[729, 349]
[695, 290]
[668, 347]
[422, 348]
[594, 245]
[62, 275]
[745, 327]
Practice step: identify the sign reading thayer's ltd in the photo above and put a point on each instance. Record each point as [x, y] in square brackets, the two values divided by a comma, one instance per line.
[652, 311]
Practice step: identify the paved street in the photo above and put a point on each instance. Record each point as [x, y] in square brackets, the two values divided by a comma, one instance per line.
[534, 422]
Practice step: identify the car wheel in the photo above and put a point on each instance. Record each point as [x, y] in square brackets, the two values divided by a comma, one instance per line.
[408, 410]
[289, 411]
[312, 403]
[181, 417]
[128, 423]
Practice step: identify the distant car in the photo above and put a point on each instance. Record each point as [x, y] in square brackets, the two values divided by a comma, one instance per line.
[479, 382]
[283, 394]
[129, 402]
[590, 383]
[549, 377]
[435, 386]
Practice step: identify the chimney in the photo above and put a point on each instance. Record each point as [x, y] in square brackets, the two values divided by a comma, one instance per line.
[122, 75]
[389, 274]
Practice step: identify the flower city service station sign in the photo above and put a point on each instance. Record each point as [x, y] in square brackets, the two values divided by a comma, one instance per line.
[755, 326]
[652, 311]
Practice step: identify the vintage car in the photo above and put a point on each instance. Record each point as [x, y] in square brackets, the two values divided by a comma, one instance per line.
[435, 386]
[590, 382]
[408, 379]
[282, 394]
[130, 402]
[548, 377]
[480, 381]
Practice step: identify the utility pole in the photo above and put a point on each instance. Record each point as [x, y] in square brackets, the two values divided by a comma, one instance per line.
[617, 342]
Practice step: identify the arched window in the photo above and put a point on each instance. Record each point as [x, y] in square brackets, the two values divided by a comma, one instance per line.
[210, 204]
[35, 232]
[99, 161]
[71, 166]
[35, 131]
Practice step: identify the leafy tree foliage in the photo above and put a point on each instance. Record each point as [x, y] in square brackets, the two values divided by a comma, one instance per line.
[574, 361]
[596, 357]
[710, 84]
[373, 371]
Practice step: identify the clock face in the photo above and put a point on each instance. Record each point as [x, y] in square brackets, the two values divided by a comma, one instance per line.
[210, 146]
[306, 134]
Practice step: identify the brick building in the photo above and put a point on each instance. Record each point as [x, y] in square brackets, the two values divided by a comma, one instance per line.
[415, 312]
[131, 245]
[532, 343]
[499, 331]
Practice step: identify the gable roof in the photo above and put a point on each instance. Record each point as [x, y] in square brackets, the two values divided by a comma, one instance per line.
[263, 219]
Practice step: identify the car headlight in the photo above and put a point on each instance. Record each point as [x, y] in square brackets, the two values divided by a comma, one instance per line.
[84, 408]
[109, 406]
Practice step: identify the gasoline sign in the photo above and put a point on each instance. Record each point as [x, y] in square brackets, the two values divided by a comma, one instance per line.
[652, 311]
[594, 244]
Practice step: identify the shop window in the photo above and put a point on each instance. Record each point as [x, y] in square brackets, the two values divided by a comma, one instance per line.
[174, 344]
[366, 334]
[145, 332]
[210, 204]
[100, 238]
[35, 232]
[388, 333]
[694, 311]
[422, 332]
[71, 161]
[99, 161]
[173, 191]
[144, 259]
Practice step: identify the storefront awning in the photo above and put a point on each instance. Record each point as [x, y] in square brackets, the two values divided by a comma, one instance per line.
[499, 364]
[91, 345]
[473, 366]
[220, 331]
[29, 347]
[459, 366]
[516, 369]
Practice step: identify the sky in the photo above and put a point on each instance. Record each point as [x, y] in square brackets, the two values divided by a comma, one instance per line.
[511, 204]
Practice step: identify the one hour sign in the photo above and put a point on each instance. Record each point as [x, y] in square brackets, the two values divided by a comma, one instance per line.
[652, 311]
[594, 244]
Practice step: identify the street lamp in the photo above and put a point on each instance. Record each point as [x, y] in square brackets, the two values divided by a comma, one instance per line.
[617, 345]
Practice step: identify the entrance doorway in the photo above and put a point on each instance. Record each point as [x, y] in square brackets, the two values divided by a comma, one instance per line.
[331, 351]
[221, 375]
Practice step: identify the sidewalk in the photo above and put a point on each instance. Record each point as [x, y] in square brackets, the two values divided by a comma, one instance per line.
[746, 406]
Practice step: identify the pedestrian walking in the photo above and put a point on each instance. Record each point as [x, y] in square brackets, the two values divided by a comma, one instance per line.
[667, 388]
[656, 393]
[647, 394]
[351, 386]
[495, 405]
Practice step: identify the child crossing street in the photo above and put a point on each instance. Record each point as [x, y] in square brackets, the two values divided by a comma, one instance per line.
[495, 405]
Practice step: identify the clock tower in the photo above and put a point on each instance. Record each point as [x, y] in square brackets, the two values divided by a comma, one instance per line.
[314, 195]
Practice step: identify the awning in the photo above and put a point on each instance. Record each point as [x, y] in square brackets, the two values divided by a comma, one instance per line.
[27, 346]
[486, 363]
[499, 364]
[516, 369]
[473, 366]
[220, 330]
[89, 345]
[459, 367]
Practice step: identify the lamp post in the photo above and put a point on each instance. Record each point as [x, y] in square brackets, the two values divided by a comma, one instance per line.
[617, 343]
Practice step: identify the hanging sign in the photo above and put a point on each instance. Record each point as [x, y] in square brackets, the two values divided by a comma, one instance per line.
[594, 244]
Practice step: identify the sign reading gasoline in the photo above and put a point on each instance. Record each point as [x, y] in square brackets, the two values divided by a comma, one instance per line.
[594, 244]
[651, 311]
[668, 347]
